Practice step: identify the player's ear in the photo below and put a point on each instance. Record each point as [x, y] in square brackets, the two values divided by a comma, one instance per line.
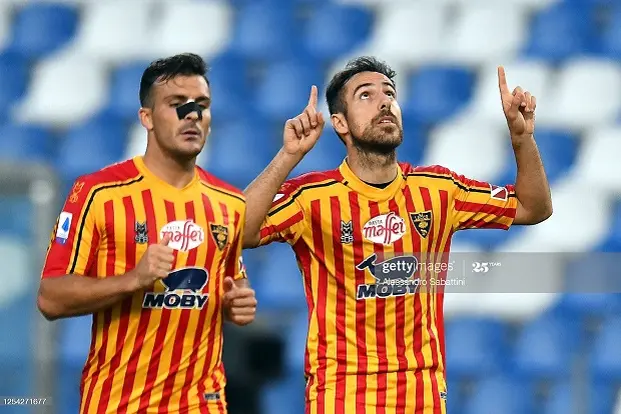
[339, 123]
[146, 118]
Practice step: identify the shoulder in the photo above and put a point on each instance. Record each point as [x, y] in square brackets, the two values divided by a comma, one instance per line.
[86, 186]
[439, 173]
[216, 184]
[310, 181]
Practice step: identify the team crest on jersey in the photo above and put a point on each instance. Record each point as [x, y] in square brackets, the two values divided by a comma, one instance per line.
[422, 222]
[384, 229]
[182, 290]
[220, 234]
[75, 191]
[142, 235]
[498, 193]
[347, 232]
[394, 276]
[185, 235]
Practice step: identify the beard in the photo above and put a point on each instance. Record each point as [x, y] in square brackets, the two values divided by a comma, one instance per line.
[379, 139]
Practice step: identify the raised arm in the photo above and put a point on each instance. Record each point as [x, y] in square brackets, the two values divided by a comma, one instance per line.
[299, 136]
[531, 186]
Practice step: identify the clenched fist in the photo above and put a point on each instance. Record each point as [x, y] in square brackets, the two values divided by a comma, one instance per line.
[155, 264]
[240, 305]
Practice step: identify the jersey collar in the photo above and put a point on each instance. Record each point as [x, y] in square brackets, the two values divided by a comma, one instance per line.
[352, 181]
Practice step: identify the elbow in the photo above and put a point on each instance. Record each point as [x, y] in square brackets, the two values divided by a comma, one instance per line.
[542, 214]
[251, 240]
[48, 308]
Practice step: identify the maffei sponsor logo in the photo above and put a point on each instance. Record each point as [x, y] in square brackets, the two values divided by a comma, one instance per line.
[184, 234]
[385, 229]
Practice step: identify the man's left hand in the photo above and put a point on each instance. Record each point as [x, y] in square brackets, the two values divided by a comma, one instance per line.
[240, 304]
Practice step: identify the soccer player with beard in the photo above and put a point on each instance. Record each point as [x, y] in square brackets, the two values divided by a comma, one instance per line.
[359, 232]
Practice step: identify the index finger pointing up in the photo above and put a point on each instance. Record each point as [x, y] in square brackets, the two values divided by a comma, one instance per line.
[312, 100]
[502, 81]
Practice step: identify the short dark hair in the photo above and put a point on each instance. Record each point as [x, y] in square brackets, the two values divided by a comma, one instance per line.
[334, 93]
[162, 70]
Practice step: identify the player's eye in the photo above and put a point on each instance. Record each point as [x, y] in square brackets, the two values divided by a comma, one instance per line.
[391, 94]
[364, 95]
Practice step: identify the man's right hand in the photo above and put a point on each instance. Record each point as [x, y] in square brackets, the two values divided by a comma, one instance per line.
[302, 132]
[155, 264]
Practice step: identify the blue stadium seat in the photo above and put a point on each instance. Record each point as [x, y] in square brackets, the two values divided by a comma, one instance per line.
[285, 396]
[605, 359]
[73, 345]
[26, 143]
[327, 154]
[279, 285]
[612, 243]
[247, 142]
[566, 398]
[545, 347]
[414, 142]
[284, 91]
[611, 36]
[334, 30]
[500, 395]
[92, 145]
[230, 88]
[124, 101]
[435, 93]
[14, 80]
[266, 30]
[562, 31]
[40, 29]
[475, 347]
[16, 216]
[295, 343]
[487, 239]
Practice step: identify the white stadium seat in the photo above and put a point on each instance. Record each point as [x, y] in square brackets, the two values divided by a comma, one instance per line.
[580, 98]
[114, 31]
[484, 34]
[598, 165]
[202, 27]
[474, 150]
[16, 268]
[63, 91]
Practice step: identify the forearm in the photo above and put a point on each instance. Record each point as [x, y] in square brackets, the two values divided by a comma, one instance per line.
[73, 295]
[260, 194]
[531, 186]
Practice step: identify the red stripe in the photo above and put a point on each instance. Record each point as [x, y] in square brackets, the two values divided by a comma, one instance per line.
[161, 334]
[361, 311]
[145, 314]
[189, 375]
[427, 202]
[175, 360]
[480, 224]
[126, 306]
[271, 230]
[341, 322]
[322, 293]
[380, 330]
[484, 208]
[416, 328]
[399, 331]
[91, 269]
[304, 256]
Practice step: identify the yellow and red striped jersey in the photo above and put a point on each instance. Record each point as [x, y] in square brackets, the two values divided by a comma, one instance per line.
[376, 340]
[159, 350]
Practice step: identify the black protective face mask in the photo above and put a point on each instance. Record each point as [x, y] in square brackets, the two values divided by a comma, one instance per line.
[185, 109]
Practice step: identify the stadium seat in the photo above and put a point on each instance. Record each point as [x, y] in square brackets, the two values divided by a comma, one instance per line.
[500, 395]
[500, 27]
[74, 340]
[291, 82]
[612, 243]
[113, 31]
[605, 360]
[201, 27]
[40, 29]
[414, 144]
[63, 91]
[475, 346]
[5, 23]
[397, 33]
[14, 80]
[611, 36]
[295, 343]
[565, 397]
[327, 154]
[92, 145]
[545, 347]
[485, 106]
[437, 93]
[561, 31]
[279, 285]
[25, 143]
[123, 97]
[265, 31]
[576, 79]
[284, 396]
[474, 150]
[230, 87]
[597, 165]
[333, 30]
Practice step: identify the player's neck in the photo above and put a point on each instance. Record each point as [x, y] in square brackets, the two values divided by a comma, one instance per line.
[173, 171]
[373, 168]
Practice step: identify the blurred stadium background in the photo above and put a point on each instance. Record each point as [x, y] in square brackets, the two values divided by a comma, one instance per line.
[69, 75]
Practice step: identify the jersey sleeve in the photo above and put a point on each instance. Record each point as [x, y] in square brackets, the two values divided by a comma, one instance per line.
[74, 242]
[234, 262]
[285, 220]
[478, 204]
